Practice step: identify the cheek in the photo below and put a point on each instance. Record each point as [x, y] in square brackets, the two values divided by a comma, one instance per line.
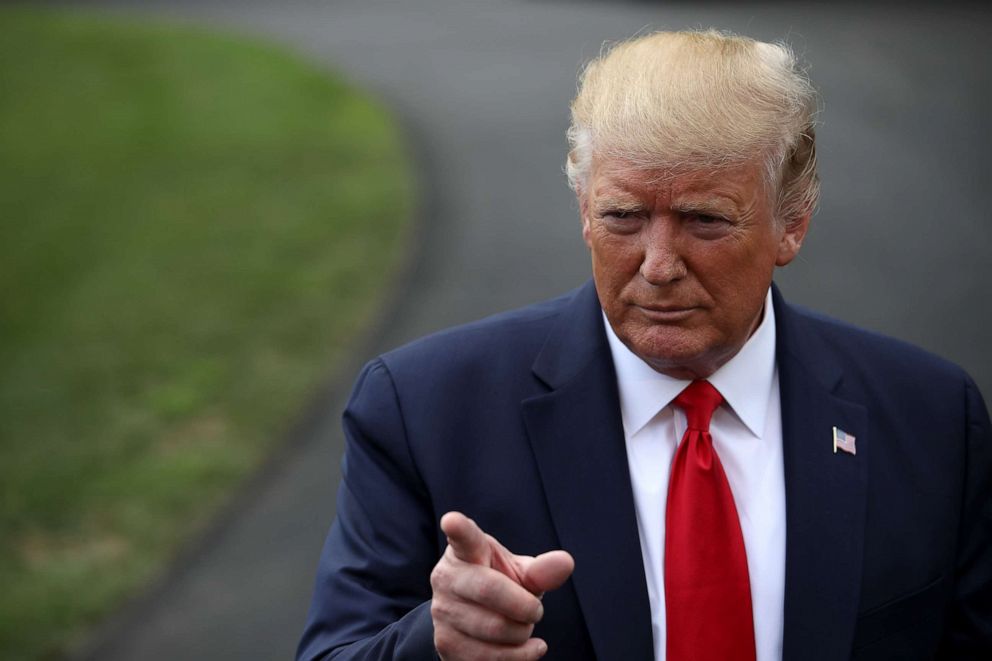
[740, 290]
[615, 262]
[735, 278]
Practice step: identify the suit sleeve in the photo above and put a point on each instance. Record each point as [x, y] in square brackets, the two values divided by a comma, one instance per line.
[969, 634]
[372, 594]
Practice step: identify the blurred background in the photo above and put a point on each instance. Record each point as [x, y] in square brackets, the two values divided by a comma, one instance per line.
[213, 212]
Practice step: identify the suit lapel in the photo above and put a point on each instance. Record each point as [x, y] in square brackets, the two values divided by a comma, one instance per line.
[825, 496]
[577, 438]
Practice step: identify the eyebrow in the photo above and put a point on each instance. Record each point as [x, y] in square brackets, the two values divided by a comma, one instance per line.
[705, 205]
[617, 204]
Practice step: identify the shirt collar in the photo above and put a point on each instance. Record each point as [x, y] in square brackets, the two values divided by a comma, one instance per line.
[745, 381]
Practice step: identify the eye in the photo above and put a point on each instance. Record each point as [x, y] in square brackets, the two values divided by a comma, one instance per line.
[707, 225]
[621, 221]
[705, 218]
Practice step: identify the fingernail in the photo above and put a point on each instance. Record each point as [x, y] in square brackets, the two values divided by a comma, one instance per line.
[540, 612]
[542, 648]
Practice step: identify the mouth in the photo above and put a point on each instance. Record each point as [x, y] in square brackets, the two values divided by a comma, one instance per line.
[666, 313]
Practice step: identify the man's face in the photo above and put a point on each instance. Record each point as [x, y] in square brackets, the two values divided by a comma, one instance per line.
[682, 263]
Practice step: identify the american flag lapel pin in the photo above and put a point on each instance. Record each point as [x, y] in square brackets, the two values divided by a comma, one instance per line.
[844, 442]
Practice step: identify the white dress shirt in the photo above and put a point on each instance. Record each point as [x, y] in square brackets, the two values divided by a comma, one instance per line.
[747, 435]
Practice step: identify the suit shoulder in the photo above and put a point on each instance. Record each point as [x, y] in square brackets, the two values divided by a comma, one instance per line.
[511, 337]
[872, 350]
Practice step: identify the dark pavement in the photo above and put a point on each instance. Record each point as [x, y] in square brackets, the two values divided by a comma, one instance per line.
[901, 243]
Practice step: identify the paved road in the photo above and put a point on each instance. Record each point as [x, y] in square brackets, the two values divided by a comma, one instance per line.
[901, 243]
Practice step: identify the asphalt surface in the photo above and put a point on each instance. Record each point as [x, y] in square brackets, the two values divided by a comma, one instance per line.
[900, 245]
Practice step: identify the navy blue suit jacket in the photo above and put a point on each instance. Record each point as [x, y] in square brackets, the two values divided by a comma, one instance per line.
[515, 421]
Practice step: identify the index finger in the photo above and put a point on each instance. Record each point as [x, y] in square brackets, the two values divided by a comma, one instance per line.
[465, 538]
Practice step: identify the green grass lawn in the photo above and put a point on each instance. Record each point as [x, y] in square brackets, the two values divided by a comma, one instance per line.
[192, 228]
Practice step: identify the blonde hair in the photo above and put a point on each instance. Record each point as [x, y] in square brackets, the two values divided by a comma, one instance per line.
[682, 101]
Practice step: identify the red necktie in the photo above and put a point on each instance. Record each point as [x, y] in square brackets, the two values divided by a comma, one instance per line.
[707, 590]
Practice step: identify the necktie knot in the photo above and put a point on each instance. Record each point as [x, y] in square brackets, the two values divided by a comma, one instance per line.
[698, 401]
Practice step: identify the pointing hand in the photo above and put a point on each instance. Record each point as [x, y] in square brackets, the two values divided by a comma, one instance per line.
[487, 600]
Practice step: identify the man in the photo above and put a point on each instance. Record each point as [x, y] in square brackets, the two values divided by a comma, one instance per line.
[670, 462]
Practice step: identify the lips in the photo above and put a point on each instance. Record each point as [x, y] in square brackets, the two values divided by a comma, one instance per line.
[666, 312]
[667, 308]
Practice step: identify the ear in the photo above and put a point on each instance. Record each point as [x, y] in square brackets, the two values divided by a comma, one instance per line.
[792, 239]
[584, 215]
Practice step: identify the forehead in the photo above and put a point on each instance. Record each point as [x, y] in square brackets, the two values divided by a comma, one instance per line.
[622, 179]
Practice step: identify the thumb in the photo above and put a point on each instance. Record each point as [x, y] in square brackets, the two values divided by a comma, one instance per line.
[547, 571]
[466, 539]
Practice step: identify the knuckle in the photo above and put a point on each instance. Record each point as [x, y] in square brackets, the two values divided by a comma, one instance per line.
[438, 610]
[444, 612]
[443, 642]
[441, 576]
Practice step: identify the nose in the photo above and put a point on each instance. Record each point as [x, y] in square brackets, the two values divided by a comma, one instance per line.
[662, 262]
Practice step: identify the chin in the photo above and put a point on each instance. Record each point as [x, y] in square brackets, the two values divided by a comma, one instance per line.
[675, 352]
